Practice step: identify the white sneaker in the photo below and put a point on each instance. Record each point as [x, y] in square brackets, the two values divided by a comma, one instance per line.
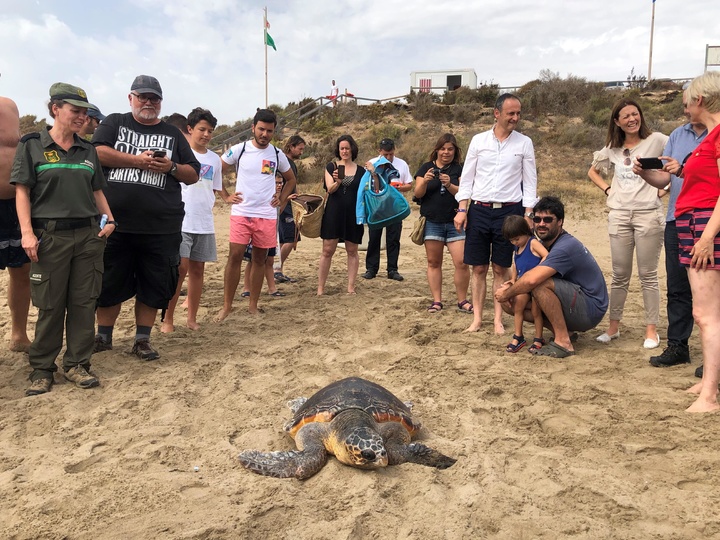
[650, 343]
[607, 338]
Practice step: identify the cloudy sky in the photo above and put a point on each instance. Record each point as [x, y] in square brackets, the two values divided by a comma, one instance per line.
[210, 53]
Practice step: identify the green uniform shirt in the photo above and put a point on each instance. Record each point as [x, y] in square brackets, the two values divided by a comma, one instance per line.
[61, 183]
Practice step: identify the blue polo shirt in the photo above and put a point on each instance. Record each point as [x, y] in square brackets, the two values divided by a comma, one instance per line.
[682, 141]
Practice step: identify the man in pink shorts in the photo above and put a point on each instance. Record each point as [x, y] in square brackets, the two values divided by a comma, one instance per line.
[253, 218]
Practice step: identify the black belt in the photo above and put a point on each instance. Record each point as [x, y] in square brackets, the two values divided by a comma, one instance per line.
[63, 224]
[495, 204]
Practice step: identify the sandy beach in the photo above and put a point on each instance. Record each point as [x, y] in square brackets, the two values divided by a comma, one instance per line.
[594, 446]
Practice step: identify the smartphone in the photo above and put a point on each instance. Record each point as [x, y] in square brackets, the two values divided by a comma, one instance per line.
[650, 163]
[341, 172]
[159, 153]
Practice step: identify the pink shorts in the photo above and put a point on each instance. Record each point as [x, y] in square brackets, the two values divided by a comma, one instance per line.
[260, 232]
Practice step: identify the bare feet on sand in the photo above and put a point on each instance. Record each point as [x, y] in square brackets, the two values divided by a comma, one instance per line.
[695, 389]
[499, 328]
[702, 406]
[184, 305]
[167, 327]
[20, 345]
[192, 325]
[222, 315]
[473, 328]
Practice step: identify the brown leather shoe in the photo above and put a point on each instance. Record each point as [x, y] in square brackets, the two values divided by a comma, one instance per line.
[81, 377]
[144, 351]
[101, 345]
[39, 386]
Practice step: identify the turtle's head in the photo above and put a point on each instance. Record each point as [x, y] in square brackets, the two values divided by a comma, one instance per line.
[364, 448]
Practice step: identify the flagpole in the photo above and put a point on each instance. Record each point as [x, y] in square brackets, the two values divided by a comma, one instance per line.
[265, 45]
[652, 32]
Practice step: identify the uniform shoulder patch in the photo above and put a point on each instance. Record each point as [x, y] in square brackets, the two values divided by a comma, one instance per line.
[30, 136]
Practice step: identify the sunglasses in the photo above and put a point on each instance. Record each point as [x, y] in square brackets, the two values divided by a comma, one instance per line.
[144, 99]
[544, 219]
[626, 153]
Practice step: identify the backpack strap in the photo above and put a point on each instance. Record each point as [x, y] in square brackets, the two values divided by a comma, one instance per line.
[237, 163]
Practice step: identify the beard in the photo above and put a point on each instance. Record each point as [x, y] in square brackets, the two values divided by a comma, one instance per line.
[145, 113]
[547, 235]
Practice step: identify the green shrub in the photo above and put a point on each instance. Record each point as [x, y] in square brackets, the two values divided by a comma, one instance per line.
[551, 94]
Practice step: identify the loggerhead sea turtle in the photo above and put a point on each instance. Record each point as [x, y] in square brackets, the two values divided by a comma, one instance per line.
[361, 423]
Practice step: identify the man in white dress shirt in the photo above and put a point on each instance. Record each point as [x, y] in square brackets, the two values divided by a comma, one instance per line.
[499, 179]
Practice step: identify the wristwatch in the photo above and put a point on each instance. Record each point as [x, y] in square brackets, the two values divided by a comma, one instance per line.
[173, 169]
[530, 214]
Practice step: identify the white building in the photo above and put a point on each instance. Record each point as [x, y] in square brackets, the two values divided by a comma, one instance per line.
[441, 80]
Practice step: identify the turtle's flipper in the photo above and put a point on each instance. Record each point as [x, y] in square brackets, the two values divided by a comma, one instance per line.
[292, 464]
[417, 453]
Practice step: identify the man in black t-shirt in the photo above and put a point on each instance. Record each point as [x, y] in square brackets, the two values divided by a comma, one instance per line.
[144, 160]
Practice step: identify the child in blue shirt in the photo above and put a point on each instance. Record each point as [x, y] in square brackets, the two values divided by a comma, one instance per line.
[528, 254]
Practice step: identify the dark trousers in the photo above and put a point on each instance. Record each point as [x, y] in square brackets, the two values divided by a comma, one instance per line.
[64, 285]
[392, 242]
[679, 294]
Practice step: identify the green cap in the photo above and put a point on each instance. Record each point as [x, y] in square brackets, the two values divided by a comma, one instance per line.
[70, 94]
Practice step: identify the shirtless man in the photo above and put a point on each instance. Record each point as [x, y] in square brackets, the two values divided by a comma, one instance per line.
[12, 255]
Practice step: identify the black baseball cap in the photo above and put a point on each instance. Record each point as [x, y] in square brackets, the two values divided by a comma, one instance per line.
[145, 84]
[387, 145]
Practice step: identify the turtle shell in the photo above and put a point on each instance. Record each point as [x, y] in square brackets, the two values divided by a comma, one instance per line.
[353, 393]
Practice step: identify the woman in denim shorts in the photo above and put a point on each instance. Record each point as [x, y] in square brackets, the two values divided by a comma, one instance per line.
[436, 184]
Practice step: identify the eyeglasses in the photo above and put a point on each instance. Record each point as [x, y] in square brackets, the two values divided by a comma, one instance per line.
[144, 99]
[544, 219]
[626, 153]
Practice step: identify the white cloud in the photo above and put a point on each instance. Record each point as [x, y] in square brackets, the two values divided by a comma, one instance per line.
[210, 53]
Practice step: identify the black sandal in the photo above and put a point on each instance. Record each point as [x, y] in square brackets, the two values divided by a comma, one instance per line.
[511, 347]
[537, 344]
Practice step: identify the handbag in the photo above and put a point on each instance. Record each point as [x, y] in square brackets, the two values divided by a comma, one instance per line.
[308, 212]
[418, 233]
[386, 207]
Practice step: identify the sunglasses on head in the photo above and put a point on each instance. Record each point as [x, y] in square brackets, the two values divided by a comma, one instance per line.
[544, 219]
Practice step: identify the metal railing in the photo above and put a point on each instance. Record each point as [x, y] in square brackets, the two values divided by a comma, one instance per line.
[239, 133]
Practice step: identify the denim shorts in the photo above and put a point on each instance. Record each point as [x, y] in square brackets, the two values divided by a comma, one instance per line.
[442, 232]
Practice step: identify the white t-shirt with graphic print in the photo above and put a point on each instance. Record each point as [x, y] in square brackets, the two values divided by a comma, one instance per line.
[255, 178]
[199, 198]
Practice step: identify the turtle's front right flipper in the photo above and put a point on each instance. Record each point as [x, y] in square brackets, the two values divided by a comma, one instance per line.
[417, 453]
[292, 464]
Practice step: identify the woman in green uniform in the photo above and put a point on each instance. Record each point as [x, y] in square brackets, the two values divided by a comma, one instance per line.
[59, 200]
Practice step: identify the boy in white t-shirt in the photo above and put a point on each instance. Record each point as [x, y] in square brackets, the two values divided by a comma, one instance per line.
[198, 229]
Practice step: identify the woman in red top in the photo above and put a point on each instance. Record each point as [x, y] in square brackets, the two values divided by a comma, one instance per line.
[698, 224]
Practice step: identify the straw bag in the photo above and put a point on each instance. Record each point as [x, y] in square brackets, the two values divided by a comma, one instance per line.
[418, 233]
[308, 211]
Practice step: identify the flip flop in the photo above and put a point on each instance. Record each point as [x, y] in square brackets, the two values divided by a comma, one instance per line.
[280, 277]
[553, 350]
[465, 307]
[277, 294]
[245, 294]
